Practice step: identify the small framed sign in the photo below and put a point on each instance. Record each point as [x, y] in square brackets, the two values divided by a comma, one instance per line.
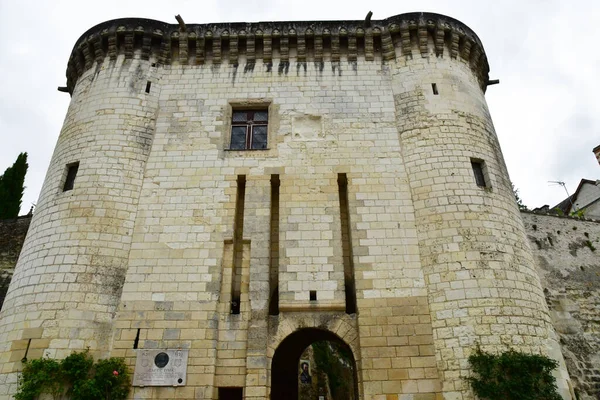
[154, 367]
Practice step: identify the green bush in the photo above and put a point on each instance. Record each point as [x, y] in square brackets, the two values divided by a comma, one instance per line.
[77, 377]
[40, 376]
[513, 376]
[104, 383]
[76, 367]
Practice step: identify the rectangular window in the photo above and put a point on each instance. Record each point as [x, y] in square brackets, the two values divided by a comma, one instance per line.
[479, 172]
[249, 130]
[71, 174]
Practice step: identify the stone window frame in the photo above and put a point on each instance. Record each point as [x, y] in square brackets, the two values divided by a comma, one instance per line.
[250, 124]
[250, 105]
[483, 169]
[69, 175]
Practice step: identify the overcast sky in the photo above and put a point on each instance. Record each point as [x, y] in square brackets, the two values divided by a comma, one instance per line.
[545, 53]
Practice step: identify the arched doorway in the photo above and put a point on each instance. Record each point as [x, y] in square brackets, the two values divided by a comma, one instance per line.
[285, 365]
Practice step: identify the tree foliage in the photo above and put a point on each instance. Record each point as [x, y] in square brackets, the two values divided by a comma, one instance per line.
[337, 363]
[513, 376]
[518, 198]
[11, 188]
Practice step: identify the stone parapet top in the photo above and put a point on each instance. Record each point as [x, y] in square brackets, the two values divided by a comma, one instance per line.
[545, 214]
[317, 41]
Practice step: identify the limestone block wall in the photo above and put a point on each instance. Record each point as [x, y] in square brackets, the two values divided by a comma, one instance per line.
[12, 235]
[566, 255]
[360, 222]
[69, 277]
[181, 255]
[482, 285]
[311, 239]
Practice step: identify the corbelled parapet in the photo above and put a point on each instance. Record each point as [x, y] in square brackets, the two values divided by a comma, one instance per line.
[403, 35]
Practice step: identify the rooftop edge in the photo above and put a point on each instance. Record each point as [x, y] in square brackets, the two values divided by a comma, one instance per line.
[198, 44]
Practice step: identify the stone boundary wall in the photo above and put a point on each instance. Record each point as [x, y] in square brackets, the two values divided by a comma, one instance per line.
[567, 256]
[568, 267]
[12, 235]
[566, 252]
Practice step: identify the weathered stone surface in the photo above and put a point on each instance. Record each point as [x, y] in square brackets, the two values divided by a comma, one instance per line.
[568, 261]
[167, 240]
[12, 235]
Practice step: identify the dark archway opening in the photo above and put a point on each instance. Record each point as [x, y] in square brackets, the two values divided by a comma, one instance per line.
[286, 361]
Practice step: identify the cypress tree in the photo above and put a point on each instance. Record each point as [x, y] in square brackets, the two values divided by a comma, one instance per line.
[11, 188]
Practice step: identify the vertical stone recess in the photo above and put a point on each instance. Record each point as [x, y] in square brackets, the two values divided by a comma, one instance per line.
[69, 277]
[482, 285]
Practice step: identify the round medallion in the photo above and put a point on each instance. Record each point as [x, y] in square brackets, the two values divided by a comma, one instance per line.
[161, 360]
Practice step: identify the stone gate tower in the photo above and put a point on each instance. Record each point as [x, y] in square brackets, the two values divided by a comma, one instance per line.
[239, 191]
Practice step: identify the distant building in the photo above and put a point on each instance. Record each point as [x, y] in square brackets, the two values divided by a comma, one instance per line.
[586, 199]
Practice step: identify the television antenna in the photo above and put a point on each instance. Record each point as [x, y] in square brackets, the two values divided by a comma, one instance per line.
[561, 183]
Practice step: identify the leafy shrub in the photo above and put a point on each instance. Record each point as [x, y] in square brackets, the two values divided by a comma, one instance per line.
[110, 380]
[77, 366]
[77, 376]
[40, 376]
[513, 376]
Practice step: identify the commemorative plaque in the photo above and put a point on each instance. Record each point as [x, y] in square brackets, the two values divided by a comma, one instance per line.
[155, 367]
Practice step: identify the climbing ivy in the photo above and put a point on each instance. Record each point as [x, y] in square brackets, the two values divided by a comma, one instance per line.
[77, 377]
[512, 375]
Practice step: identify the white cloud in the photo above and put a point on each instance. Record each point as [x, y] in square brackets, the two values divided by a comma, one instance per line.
[544, 53]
